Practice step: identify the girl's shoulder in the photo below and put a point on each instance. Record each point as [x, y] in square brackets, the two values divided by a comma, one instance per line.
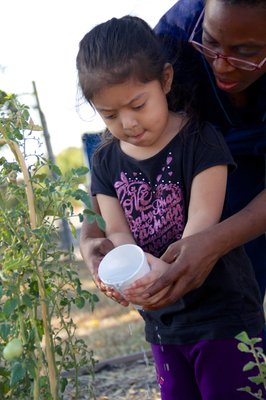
[195, 126]
[107, 148]
[204, 135]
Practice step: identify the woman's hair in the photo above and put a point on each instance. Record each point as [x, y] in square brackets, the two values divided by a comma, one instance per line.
[117, 50]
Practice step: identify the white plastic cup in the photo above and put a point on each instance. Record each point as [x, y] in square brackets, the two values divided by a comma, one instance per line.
[122, 266]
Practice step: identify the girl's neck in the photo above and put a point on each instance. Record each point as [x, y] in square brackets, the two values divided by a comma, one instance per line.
[175, 124]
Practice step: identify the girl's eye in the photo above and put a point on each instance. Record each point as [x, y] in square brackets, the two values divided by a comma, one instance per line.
[109, 116]
[139, 107]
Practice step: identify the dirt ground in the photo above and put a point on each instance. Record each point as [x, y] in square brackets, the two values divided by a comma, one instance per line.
[128, 381]
[124, 367]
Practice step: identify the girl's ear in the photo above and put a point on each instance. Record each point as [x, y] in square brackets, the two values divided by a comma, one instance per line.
[168, 74]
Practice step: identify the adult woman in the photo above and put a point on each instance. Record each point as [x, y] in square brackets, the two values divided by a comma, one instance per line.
[231, 96]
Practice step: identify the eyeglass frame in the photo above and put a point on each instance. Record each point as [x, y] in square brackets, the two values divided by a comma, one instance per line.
[217, 55]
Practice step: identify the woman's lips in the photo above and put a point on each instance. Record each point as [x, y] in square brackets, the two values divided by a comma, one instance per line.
[224, 85]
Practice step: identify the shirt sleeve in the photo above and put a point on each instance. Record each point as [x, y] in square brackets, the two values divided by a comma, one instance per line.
[101, 177]
[210, 149]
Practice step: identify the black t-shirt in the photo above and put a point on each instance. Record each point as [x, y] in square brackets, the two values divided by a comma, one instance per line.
[154, 195]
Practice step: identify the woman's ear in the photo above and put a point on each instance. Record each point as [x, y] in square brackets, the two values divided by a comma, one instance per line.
[168, 74]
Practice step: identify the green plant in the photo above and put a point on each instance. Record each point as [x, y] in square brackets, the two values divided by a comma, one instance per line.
[248, 345]
[38, 283]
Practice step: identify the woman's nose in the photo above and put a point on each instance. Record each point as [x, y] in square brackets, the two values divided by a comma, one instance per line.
[221, 66]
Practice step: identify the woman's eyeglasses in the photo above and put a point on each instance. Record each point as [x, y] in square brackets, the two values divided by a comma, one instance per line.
[209, 53]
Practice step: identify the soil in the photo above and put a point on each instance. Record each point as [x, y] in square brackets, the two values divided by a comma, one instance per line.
[122, 381]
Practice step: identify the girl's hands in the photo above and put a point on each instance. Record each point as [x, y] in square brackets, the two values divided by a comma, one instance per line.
[93, 250]
[111, 293]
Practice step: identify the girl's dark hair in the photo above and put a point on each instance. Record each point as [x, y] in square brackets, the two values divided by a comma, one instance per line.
[116, 50]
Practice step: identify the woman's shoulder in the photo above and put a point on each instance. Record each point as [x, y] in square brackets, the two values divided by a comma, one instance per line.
[180, 17]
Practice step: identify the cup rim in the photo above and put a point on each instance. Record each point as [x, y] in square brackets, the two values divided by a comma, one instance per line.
[105, 259]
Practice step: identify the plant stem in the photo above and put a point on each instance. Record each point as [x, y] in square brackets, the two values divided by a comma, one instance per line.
[52, 372]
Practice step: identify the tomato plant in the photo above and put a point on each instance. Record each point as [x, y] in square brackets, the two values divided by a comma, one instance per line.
[257, 368]
[38, 282]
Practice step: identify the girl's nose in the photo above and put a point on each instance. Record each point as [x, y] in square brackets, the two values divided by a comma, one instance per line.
[222, 66]
[128, 121]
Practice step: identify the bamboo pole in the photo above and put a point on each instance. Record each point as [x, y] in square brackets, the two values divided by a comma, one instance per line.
[52, 372]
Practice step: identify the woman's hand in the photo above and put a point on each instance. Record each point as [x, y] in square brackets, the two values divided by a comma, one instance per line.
[190, 261]
[134, 293]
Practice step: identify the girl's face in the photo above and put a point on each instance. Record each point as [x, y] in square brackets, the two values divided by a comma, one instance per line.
[237, 31]
[135, 112]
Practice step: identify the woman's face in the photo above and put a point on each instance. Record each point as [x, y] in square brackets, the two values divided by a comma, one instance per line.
[238, 31]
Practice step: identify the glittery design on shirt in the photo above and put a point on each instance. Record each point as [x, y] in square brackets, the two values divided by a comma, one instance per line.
[154, 210]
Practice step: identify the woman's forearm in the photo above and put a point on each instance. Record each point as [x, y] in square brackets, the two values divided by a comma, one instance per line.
[241, 227]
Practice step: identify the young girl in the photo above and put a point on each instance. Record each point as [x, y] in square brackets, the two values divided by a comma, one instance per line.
[162, 177]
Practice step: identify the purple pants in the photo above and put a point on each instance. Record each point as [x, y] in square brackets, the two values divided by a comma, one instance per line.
[206, 370]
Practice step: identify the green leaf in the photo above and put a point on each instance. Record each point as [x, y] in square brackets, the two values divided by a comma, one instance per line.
[58, 350]
[250, 365]
[73, 229]
[4, 372]
[34, 288]
[256, 379]
[30, 367]
[10, 306]
[18, 372]
[4, 331]
[243, 347]
[243, 337]
[89, 212]
[80, 302]
[63, 384]
[95, 298]
[90, 217]
[12, 264]
[80, 171]
[255, 340]
[56, 170]
[80, 194]
[245, 389]
[64, 301]
[4, 388]
[100, 222]
[18, 134]
[40, 328]
[27, 300]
